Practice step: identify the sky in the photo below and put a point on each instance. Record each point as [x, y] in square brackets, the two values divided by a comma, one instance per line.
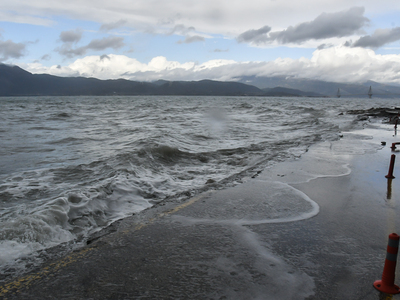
[147, 40]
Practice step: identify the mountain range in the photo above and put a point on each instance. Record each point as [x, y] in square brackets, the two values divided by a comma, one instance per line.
[14, 81]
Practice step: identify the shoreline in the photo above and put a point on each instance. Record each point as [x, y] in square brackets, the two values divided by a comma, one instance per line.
[196, 250]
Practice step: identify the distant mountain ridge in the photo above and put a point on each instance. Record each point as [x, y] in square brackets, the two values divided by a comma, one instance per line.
[328, 89]
[15, 81]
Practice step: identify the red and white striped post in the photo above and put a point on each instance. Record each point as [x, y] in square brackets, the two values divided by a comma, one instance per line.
[386, 285]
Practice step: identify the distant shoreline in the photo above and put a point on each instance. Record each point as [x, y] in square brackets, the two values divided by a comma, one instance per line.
[16, 82]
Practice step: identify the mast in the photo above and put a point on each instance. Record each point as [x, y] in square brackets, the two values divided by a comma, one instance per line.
[370, 92]
[338, 93]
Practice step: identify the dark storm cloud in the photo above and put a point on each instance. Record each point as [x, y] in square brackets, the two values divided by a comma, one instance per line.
[256, 36]
[113, 25]
[9, 49]
[98, 44]
[326, 25]
[338, 24]
[71, 36]
[379, 38]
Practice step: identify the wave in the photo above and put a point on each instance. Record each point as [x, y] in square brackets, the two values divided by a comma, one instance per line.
[68, 140]
[135, 153]
[73, 202]
[43, 128]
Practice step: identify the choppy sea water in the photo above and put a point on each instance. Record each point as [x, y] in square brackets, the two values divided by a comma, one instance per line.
[70, 166]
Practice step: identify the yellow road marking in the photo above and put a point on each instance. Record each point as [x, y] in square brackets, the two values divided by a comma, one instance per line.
[25, 281]
[190, 202]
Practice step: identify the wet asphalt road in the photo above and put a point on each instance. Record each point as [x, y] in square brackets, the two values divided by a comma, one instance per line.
[199, 250]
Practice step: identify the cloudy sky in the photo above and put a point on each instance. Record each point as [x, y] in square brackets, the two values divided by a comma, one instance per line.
[145, 40]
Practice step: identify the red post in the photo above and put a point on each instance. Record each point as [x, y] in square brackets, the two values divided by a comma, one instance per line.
[386, 285]
[391, 167]
[394, 146]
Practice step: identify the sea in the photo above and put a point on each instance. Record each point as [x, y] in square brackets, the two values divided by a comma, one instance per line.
[71, 166]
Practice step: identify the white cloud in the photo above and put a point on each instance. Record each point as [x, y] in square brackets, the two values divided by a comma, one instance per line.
[17, 16]
[226, 17]
[332, 64]
[354, 64]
